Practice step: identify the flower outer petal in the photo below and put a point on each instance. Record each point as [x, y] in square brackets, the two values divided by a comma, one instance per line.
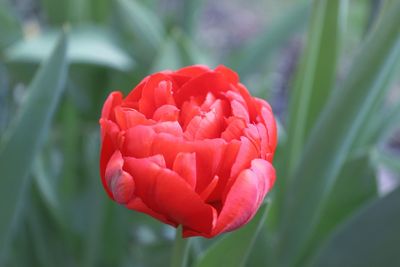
[165, 192]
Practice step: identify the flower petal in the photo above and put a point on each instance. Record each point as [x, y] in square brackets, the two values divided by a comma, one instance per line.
[229, 74]
[138, 205]
[139, 141]
[246, 154]
[213, 82]
[129, 117]
[113, 100]
[119, 182]
[166, 113]
[185, 166]
[165, 192]
[193, 71]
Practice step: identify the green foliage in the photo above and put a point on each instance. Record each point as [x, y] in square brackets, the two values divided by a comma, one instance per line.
[338, 129]
[22, 148]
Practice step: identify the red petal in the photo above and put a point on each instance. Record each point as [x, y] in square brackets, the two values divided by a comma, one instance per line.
[138, 205]
[185, 166]
[209, 126]
[147, 103]
[188, 111]
[270, 122]
[165, 192]
[250, 101]
[113, 100]
[128, 118]
[138, 141]
[208, 160]
[240, 203]
[169, 146]
[234, 129]
[210, 188]
[166, 113]
[229, 74]
[136, 93]
[171, 127]
[246, 154]
[109, 132]
[224, 169]
[119, 182]
[199, 86]
[163, 94]
[266, 176]
[193, 71]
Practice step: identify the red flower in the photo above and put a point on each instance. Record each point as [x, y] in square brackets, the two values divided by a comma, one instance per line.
[189, 147]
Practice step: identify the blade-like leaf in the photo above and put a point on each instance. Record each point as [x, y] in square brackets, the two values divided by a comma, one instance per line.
[355, 187]
[142, 28]
[369, 239]
[24, 140]
[335, 131]
[233, 249]
[86, 46]
[316, 75]
[169, 56]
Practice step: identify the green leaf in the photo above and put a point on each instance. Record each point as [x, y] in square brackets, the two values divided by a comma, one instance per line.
[87, 45]
[355, 186]
[316, 75]
[255, 56]
[371, 238]
[10, 28]
[169, 56]
[141, 27]
[334, 133]
[234, 248]
[56, 12]
[24, 140]
[190, 15]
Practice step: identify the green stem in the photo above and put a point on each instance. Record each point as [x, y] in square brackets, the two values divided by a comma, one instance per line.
[180, 250]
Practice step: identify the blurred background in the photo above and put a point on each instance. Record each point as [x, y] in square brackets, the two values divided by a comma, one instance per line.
[56, 212]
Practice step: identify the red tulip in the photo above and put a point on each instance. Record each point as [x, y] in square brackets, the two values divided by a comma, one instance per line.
[189, 147]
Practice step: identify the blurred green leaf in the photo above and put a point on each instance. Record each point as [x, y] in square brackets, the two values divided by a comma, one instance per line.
[96, 212]
[371, 238]
[169, 56]
[190, 15]
[141, 27]
[379, 128]
[75, 11]
[191, 53]
[254, 57]
[87, 45]
[355, 186]
[24, 140]
[55, 12]
[234, 248]
[334, 133]
[45, 186]
[316, 75]
[10, 28]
